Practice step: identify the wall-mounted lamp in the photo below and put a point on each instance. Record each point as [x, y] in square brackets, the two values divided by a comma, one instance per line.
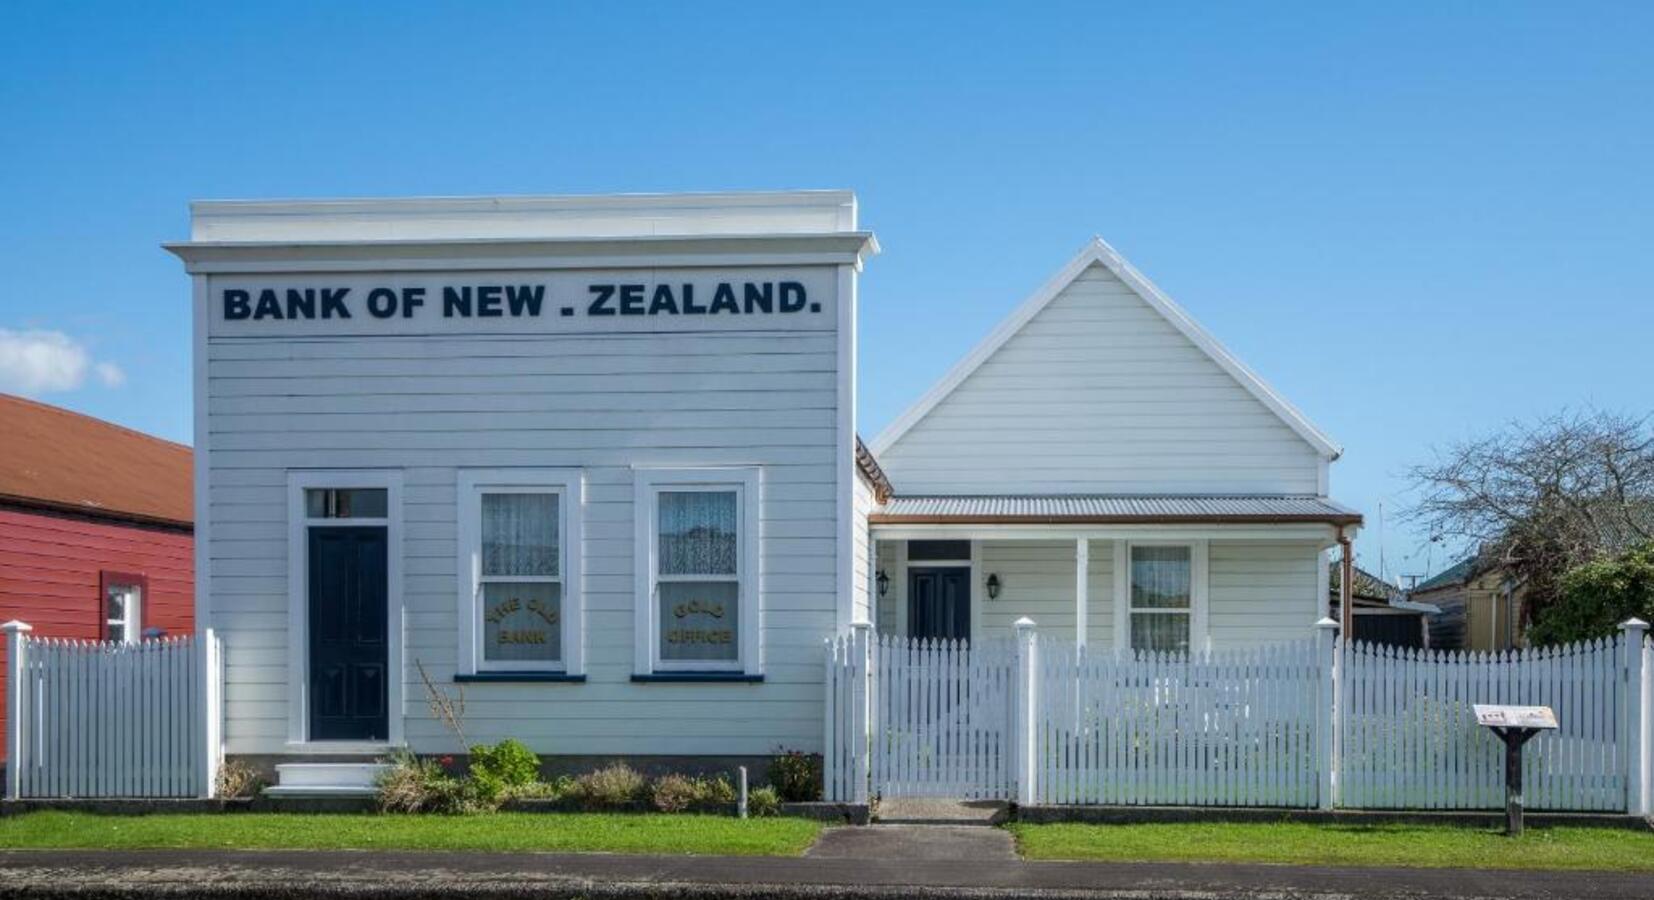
[993, 586]
[883, 583]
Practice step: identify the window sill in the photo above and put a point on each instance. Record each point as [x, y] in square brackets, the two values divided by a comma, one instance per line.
[518, 677]
[697, 678]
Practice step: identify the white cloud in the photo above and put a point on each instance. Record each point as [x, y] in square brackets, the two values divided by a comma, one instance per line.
[110, 374]
[40, 362]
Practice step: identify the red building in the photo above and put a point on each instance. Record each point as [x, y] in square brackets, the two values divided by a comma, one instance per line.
[95, 528]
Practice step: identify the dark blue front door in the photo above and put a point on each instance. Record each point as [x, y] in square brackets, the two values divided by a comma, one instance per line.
[939, 603]
[349, 684]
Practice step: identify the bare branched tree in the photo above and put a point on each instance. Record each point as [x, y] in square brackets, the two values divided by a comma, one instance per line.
[449, 709]
[1541, 498]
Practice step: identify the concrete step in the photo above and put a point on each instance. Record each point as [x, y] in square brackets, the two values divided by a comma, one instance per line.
[349, 779]
[928, 811]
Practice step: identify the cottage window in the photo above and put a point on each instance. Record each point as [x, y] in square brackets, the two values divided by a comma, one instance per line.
[1162, 597]
[518, 572]
[698, 596]
[123, 598]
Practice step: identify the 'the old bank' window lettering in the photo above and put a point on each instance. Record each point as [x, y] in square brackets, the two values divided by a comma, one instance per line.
[698, 581]
[521, 579]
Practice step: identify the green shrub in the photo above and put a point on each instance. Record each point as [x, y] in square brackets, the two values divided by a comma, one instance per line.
[534, 790]
[614, 787]
[796, 776]
[508, 763]
[414, 785]
[763, 802]
[681, 793]
[675, 793]
[717, 792]
[1597, 596]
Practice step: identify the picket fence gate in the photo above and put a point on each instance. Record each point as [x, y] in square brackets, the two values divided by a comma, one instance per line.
[111, 719]
[1308, 723]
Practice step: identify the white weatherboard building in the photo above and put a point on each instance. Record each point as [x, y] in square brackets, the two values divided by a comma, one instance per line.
[593, 460]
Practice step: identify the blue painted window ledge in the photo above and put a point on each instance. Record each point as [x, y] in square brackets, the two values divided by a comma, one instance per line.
[698, 677]
[485, 677]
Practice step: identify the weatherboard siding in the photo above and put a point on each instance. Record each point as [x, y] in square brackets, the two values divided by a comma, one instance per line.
[861, 598]
[428, 405]
[1037, 581]
[1100, 394]
[50, 568]
[1262, 592]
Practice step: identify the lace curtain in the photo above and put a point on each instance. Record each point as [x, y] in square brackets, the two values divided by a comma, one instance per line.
[1160, 577]
[519, 535]
[1160, 598]
[697, 533]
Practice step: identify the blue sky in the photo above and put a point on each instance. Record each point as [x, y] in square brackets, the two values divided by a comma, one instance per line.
[1418, 223]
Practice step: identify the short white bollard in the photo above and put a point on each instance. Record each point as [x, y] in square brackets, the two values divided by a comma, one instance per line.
[741, 803]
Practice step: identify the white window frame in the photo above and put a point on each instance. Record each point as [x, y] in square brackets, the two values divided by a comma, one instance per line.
[649, 483]
[1200, 640]
[131, 621]
[299, 524]
[569, 486]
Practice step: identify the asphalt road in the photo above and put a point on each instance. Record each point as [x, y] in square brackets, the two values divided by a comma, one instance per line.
[246, 875]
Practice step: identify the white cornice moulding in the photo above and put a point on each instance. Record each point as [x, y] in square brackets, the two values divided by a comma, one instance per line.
[825, 249]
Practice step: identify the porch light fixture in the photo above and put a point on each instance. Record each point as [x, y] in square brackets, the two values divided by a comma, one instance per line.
[993, 586]
[884, 583]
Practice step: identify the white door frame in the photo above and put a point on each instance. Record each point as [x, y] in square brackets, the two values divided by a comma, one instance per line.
[298, 602]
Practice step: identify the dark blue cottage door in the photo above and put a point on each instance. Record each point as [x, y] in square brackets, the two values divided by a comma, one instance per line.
[939, 603]
[349, 690]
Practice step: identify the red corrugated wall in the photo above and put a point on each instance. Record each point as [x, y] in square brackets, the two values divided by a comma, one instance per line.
[50, 567]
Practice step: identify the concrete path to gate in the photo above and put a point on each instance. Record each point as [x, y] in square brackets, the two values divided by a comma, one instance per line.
[395, 875]
[915, 842]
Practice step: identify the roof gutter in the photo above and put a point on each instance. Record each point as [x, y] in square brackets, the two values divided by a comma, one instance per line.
[35, 504]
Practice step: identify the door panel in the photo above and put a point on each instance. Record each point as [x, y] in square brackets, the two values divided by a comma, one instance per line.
[348, 634]
[939, 603]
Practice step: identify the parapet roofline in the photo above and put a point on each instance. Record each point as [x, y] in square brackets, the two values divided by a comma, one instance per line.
[497, 217]
[658, 251]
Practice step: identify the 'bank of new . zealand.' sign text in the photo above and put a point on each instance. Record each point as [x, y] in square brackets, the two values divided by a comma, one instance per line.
[496, 301]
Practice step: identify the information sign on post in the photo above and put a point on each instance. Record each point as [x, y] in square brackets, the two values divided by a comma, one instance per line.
[1515, 725]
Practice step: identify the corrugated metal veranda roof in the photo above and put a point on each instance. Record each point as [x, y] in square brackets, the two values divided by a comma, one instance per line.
[1112, 508]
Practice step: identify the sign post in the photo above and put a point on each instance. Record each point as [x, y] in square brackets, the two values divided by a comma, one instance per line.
[1515, 725]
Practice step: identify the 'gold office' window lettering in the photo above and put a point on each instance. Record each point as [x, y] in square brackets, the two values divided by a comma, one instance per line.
[698, 590]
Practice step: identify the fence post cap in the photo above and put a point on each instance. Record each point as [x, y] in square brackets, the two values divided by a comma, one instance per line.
[1023, 624]
[1633, 624]
[16, 627]
[1326, 622]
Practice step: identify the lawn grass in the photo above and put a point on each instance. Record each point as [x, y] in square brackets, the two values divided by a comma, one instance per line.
[567, 832]
[1343, 845]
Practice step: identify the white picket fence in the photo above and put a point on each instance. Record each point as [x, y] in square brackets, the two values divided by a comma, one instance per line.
[1235, 728]
[1308, 723]
[1410, 738]
[111, 719]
